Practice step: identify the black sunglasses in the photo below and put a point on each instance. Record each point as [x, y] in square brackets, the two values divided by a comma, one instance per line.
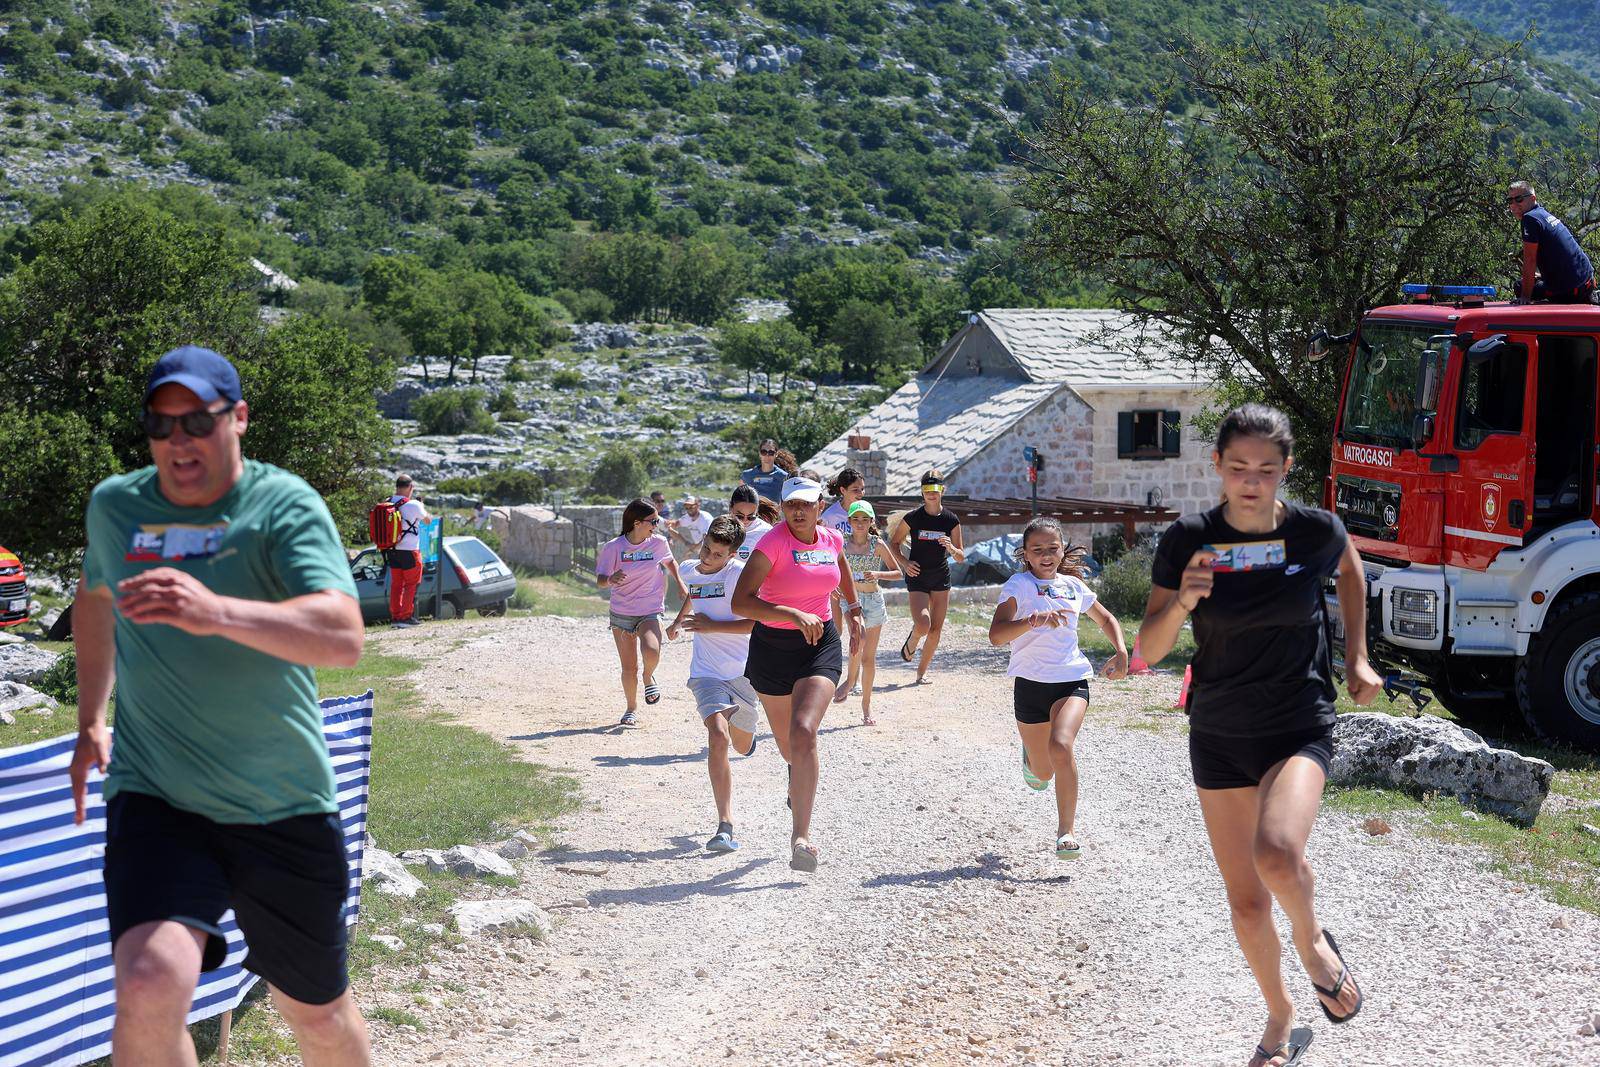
[195, 423]
[769, 451]
[1516, 199]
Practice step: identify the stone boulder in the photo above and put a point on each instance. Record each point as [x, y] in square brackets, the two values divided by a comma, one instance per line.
[1428, 754]
[533, 536]
[474, 917]
[396, 403]
[384, 872]
[15, 697]
[24, 663]
[465, 861]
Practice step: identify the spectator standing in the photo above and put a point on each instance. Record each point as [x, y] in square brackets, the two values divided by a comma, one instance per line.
[1554, 268]
[480, 515]
[689, 529]
[212, 586]
[658, 500]
[405, 558]
[766, 477]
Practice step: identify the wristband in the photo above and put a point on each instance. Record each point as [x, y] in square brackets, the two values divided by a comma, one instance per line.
[853, 607]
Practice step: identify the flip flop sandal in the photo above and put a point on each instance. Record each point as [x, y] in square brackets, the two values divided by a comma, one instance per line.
[1294, 1048]
[905, 649]
[1034, 781]
[1065, 853]
[1338, 987]
[722, 841]
[652, 693]
[803, 856]
[629, 719]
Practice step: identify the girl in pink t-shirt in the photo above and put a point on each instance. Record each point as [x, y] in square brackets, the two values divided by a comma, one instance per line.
[635, 568]
[795, 658]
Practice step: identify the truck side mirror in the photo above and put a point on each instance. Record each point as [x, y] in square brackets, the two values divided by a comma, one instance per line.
[1317, 347]
[1422, 428]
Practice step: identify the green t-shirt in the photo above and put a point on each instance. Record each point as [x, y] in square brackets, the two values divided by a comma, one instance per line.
[204, 723]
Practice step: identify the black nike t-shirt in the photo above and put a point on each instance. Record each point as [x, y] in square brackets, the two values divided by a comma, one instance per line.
[1262, 665]
[925, 550]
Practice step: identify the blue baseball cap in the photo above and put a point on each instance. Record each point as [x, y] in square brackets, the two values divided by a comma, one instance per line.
[201, 371]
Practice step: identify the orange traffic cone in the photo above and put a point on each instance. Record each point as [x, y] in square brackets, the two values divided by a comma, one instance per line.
[1183, 694]
[1136, 663]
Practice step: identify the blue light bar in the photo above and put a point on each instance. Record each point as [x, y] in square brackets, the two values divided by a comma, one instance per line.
[1417, 289]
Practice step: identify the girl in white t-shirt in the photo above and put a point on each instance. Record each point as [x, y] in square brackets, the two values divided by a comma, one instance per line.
[1038, 617]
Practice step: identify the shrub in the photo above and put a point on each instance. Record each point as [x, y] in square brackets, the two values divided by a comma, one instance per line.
[452, 411]
[588, 305]
[804, 427]
[1124, 585]
[619, 475]
[566, 378]
[660, 421]
[508, 486]
[517, 371]
[61, 680]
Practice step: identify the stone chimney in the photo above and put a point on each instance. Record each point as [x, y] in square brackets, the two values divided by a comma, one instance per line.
[872, 463]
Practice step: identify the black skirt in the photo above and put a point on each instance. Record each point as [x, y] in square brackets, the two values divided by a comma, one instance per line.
[779, 658]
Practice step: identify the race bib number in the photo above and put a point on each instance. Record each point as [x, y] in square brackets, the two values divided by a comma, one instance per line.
[153, 544]
[639, 555]
[708, 591]
[1248, 556]
[929, 535]
[814, 557]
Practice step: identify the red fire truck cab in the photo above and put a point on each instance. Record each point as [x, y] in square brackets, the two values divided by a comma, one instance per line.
[1464, 464]
[13, 589]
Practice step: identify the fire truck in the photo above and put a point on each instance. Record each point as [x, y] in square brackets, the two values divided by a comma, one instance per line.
[1464, 467]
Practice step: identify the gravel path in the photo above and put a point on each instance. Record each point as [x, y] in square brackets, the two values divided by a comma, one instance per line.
[941, 928]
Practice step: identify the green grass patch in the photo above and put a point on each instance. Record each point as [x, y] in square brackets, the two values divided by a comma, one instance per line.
[557, 594]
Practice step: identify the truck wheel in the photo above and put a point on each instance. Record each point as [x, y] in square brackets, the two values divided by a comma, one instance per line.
[1558, 681]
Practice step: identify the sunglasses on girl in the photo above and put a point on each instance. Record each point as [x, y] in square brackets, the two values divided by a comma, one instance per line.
[195, 424]
[769, 451]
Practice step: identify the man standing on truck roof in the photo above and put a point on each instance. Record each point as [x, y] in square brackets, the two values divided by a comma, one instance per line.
[212, 587]
[1565, 275]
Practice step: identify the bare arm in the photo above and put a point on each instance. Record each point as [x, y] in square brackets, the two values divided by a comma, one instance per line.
[1362, 681]
[893, 573]
[1111, 626]
[671, 566]
[952, 544]
[94, 642]
[321, 629]
[745, 602]
[1005, 627]
[1167, 608]
[901, 533]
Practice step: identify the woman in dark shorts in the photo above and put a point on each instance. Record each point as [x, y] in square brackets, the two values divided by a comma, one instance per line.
[1261, 707]
[934, 533]
[795, 657]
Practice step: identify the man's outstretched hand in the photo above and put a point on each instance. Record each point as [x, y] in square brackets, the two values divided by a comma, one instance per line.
[170, 596]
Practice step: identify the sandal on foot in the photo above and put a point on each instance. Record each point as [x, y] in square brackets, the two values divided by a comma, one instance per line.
[1067, 847]
[722, 841]
[905, 649]
[1294, 1048]
[803, 855]
[652, 692]
[840, 695]
[1034, 781]
[868, 720]
[1338, 987]
[629, 718]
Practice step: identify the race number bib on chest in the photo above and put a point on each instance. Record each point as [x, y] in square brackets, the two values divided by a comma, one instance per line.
[1248, 556]
[639, 555]
[929, 535]
[815, 557]
[708, 591]
[176, 541]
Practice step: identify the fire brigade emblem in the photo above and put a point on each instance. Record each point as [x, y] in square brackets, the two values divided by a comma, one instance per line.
[1491, 504]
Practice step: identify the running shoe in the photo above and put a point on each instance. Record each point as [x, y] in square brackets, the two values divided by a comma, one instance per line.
[722, 841]
[629, 719]
[1033, 780]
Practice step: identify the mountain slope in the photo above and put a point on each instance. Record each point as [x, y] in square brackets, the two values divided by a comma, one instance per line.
[1566, 31]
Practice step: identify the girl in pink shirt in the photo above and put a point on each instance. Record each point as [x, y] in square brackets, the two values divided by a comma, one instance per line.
[795, 658]
[635, 568]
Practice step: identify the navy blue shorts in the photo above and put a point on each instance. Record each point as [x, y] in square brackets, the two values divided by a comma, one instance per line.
[286, 882]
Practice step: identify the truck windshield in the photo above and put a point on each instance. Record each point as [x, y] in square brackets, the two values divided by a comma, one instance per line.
[1381, 401]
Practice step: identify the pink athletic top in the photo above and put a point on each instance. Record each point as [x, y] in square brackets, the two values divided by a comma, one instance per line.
[802, 575]
[645, 590]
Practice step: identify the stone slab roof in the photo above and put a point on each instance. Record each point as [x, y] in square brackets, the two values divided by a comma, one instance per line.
[1087, 348]
[941, 423]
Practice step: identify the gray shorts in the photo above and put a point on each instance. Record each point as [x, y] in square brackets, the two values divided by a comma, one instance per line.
[712, 695]
[630, 623]
[873, 610]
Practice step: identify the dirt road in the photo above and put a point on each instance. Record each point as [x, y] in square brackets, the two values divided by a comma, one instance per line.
[940, 928]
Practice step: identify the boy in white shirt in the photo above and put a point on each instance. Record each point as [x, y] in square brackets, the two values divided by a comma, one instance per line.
[723, 695]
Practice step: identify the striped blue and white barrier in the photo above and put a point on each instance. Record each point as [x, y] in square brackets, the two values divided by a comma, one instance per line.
[56, 997]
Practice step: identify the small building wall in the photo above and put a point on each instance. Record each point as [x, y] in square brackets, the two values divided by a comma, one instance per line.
[1187, 482]
[1062, 428]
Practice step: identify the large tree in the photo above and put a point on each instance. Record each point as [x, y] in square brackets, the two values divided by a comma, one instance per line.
[1318, 172]
[103, 294]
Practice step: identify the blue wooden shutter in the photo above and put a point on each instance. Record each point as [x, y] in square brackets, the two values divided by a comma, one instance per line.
[1169, 433]
[1124, 434]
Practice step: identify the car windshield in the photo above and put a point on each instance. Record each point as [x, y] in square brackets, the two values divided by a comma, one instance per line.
[1381, 402]
[472, 553]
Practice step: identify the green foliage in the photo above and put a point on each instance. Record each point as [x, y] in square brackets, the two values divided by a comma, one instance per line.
[1259, 222]
[464, 314]
[772, 346]
[801, 426]
[566, 378]
[452, 412]
[661, 421]
[508, 486]
[101, 295]
[1124, 585]
[587, 305]
[650, 277]
[61, 680]
[620, 474]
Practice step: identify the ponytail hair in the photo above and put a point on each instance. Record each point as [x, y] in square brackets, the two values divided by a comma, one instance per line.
[1073, 561]
[786, 462]
[768, 512]
[848, 476]
[636, 513]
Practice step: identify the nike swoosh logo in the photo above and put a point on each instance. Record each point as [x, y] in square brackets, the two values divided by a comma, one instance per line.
[1294, 568]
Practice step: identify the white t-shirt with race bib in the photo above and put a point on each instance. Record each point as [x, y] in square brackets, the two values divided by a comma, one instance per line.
[719, 656]
[836, 518]
[1048, 654]
[752, 534]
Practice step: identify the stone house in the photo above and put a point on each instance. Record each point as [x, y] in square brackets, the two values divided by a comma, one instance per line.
[1111, 414]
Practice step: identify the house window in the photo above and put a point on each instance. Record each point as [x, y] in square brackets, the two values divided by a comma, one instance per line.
[1147, 434]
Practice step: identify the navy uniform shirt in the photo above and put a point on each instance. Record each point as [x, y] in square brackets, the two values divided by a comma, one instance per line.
[1562, 264]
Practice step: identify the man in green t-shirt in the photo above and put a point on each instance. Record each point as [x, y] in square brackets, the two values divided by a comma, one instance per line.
[212, 586]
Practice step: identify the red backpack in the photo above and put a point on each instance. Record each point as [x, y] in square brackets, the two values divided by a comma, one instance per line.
[383, 523]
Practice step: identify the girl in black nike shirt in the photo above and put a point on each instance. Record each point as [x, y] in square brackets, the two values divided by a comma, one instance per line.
[1249, 572]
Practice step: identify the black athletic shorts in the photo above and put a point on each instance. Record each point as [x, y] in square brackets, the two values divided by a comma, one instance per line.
[1241, 762]
[286, 882]
[929, 583]
[1033, 700]
[779, 658]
